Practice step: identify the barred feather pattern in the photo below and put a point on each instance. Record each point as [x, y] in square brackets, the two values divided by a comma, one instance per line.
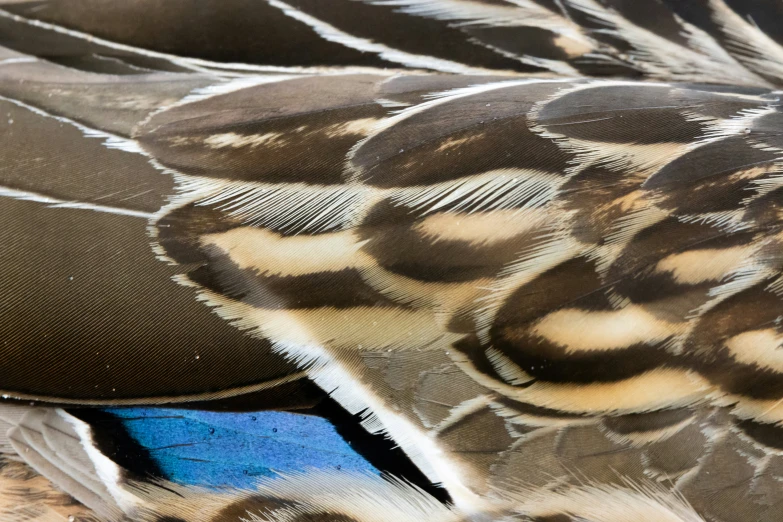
[598, 297]
[553, 276]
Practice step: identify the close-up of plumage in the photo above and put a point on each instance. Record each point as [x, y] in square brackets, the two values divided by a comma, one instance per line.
[391, 260]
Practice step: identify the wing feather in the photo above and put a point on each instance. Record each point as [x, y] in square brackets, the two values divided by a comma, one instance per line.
[544, 288]
[605, 329]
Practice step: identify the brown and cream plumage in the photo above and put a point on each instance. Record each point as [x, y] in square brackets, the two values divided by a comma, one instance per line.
[537, 244]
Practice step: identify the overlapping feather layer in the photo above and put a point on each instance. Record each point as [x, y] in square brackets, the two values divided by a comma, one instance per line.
[552, 275]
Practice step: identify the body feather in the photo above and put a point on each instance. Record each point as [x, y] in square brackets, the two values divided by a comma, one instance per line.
[538, 245]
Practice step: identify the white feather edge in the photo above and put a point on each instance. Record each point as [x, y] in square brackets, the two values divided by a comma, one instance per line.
[332, 376]
[108, 472]
[333, 34]
[224, 69]
[111, 141]
[6, 192]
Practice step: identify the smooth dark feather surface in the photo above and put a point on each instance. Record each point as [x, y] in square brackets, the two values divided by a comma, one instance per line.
[529, 251]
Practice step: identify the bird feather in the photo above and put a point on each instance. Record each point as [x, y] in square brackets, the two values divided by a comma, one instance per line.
[536, 245]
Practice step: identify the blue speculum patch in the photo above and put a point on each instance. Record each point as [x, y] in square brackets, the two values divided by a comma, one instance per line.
[235, 449]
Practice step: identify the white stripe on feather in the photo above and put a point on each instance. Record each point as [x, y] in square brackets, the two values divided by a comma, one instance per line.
[18, 59]
[333, 34]
[80, 205]
[111, 141]
[518, 13]
[225, 69]
[343, 385]
[109, 473]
